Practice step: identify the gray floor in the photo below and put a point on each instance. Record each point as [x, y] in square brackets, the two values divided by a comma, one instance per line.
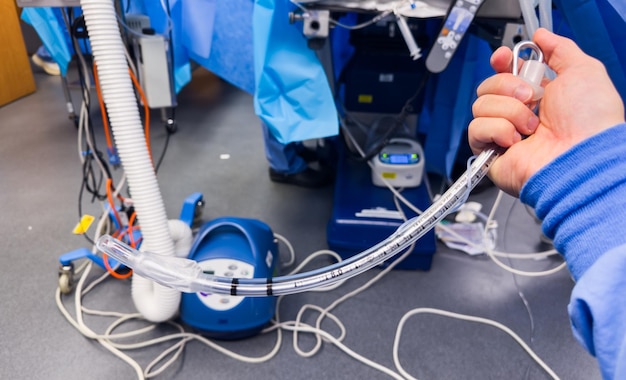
[40, 177]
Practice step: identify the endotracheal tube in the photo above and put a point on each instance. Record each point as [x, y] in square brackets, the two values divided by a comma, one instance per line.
[187, 276]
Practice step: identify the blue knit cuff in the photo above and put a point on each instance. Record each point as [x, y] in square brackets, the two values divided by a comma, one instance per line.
[581, 198]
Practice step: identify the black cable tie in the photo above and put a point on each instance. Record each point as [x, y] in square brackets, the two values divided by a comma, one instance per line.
[269, 287]
[233, 287]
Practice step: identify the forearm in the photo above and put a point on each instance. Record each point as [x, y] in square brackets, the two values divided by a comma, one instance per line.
[581, 198]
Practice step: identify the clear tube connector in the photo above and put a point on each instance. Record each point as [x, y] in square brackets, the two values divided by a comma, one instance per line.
[173, 272]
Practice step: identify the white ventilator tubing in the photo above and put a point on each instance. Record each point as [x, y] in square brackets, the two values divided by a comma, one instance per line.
[155, 302]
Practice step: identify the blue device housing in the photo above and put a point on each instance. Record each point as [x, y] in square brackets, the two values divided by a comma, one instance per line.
[349, 233]
[245, 240]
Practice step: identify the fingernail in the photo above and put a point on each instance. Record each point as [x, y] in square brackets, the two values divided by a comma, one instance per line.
[517, 137]
[533, 123]
[523, 93]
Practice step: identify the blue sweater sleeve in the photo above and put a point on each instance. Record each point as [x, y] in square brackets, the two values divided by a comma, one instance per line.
[581, 198]
[597, 311]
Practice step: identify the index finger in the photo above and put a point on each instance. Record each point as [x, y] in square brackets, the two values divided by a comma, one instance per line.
[502, 60]
[508, 85]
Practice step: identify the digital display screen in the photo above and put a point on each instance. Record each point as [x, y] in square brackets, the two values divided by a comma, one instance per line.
[399, 158]
[459, 20]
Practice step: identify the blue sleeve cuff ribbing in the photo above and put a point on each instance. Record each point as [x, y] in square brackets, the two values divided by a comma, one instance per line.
[581, 198]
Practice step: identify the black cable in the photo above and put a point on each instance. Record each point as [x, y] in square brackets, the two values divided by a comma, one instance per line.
[92, 178]
[167, 141]
[80, 206]
[170, 128]
[78, 29]
[88, 173]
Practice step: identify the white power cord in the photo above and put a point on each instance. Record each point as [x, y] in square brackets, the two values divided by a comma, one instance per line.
[463, 317]
[508, 268]
[108, 338]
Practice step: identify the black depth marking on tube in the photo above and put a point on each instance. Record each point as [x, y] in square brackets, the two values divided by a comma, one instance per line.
[269, 287]
[233, 287]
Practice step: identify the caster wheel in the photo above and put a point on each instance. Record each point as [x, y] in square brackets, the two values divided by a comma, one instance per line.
[65, 283]
[197, 211]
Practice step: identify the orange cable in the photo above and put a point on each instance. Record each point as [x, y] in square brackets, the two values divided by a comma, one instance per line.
[130, 229]
[105, 258]
[112, 271]
[109, 185]
[105, 120]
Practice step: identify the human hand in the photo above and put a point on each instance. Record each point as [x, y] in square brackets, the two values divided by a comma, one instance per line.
[579, 103]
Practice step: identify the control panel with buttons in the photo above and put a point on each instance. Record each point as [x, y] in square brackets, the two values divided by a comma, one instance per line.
[454, 28]
[224, 268]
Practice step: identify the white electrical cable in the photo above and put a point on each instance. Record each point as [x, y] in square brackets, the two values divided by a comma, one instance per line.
[345, 349]
[463, 317]
[509, 268]
[326, 311]
[117, 348]
[529, 15]
[295, 326]
[83, 329]
[130, 62]
[545, 14]
[292, 255]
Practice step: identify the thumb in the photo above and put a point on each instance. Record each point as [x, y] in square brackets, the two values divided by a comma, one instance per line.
[559, 52]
